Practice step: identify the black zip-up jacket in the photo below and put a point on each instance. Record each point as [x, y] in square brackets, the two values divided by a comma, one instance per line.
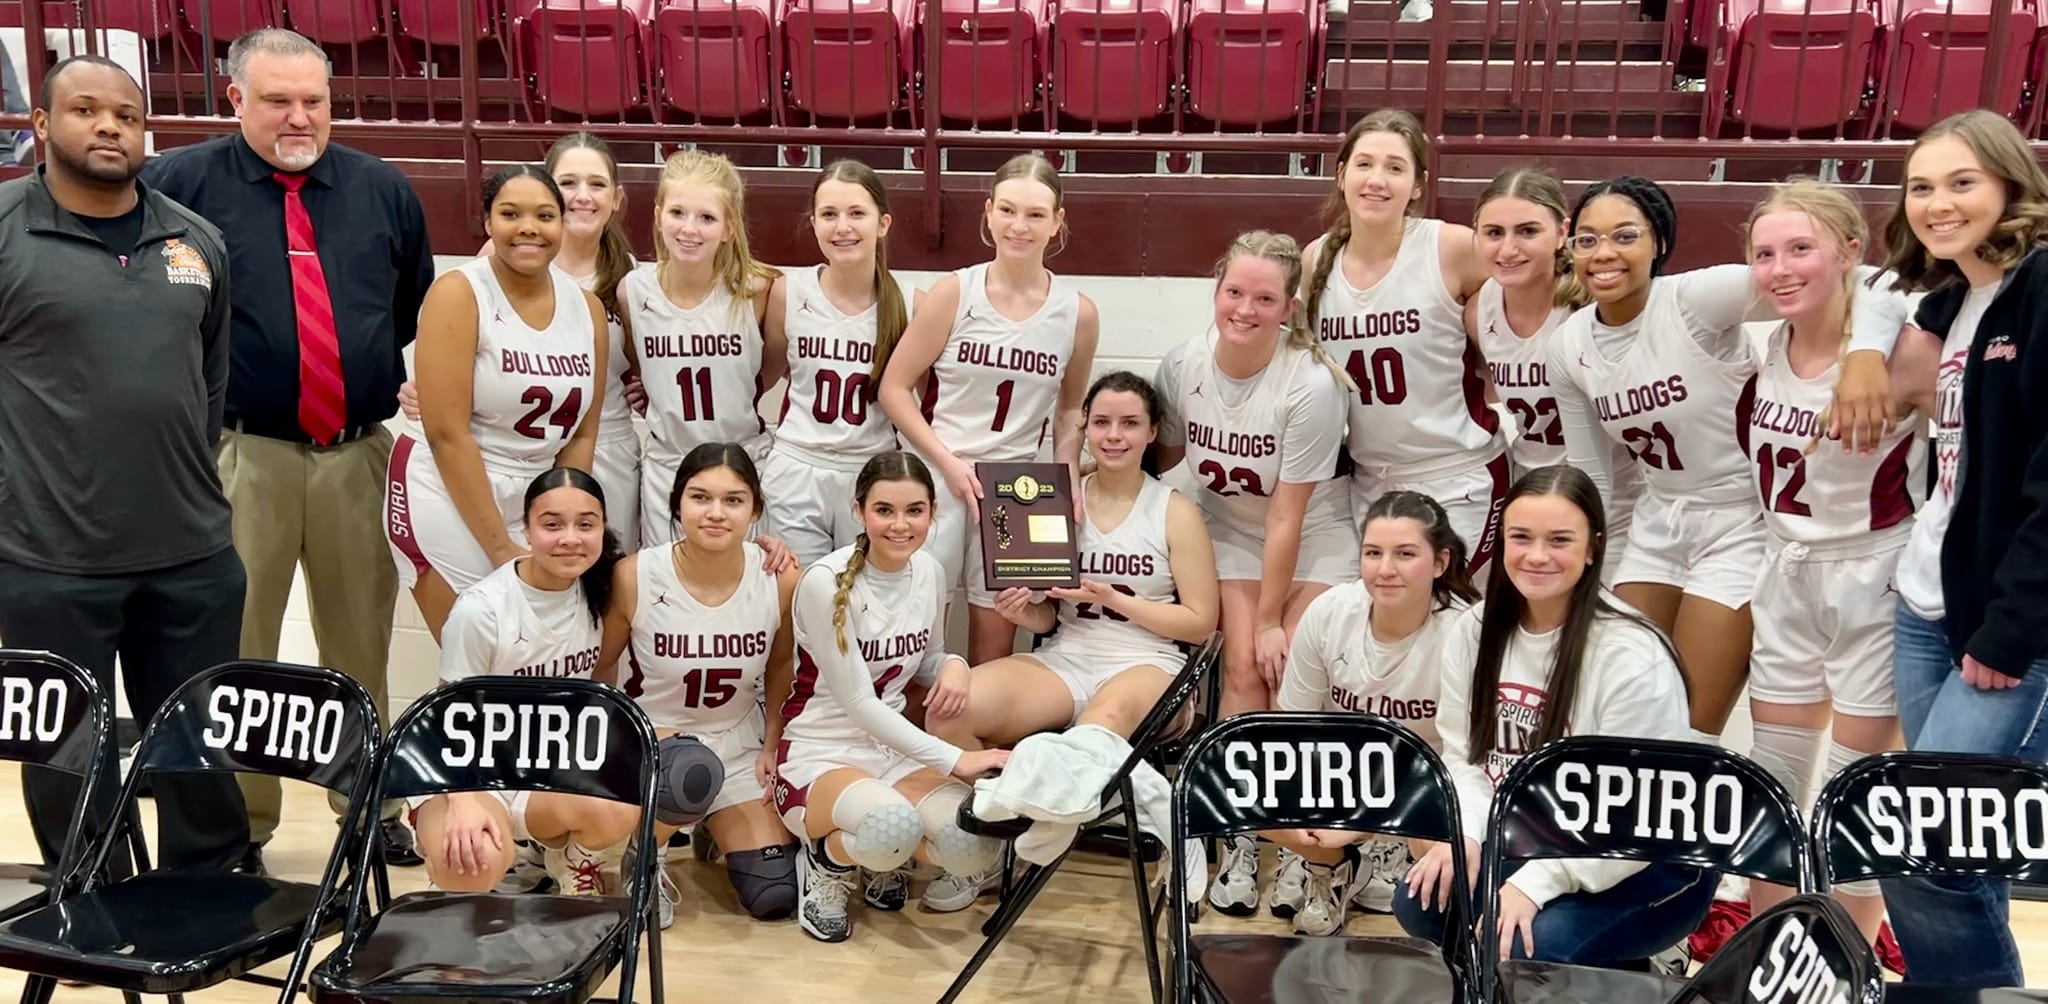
[1994, 556]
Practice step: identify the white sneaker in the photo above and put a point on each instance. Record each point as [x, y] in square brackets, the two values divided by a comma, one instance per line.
[1284, 898]
[950, 893]
[1382, 867]
[1323, 900]
[529, 871]
[823, 890]
[1236, 889]
[1417, 10]
[577, 870]
[666, 894]
[888, 890]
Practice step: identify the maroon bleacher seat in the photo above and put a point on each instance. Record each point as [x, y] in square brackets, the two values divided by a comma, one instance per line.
[848, 59]
[712, 56]
[1790, 64]
[1113, 60]
[1250, 61]
[227, 20]
[990, 67]
[148, 18]
[338, 22]
[439, 22]
[1930, 59]
[585, 57]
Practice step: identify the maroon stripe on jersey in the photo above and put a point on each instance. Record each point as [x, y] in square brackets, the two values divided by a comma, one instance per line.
[1745, 407]
[1475, 390]
[801, 689]
[1891, 503]
[786, 795]
[1489, 535]
[783, 415]
[398, 506]
[931, 395]
[760, 391]
[633, 682]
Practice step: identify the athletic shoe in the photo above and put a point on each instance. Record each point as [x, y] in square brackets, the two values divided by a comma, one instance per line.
[1323, 898]
[666, 894]
[950, 893]
[1675, 962]
[823, 889]
[1236, 889]
[1888, 953]
[701, 844]
[1724, 918]
[1289, 879]
[887, 890]
[396, 838]
[577, 870]
[1383, 865]
[529, 871]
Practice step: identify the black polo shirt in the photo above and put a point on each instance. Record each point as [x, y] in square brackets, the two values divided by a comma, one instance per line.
[372, 238]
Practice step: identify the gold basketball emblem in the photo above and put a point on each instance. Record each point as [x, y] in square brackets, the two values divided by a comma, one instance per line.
[1026, 488]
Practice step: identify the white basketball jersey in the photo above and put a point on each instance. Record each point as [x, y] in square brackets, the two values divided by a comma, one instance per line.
[1420, 407]
[695, 667]
[616, 416]
[889, 621]
[531, 388]
[1676, 409]
[995, 385]
[1395, 680]
[539, 633]
[1235, 431]
[829, 415]
[1820, 495]
[1131, 559]
[701, 366]
[1521, 375]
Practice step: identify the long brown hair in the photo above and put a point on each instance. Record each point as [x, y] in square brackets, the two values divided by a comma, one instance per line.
[1540, 187]
[892, 315]
[614, 250]
[1389, 120]
[2022, 227]
[893, 466]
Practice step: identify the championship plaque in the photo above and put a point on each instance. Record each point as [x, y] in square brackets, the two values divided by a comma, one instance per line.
[1027, 526]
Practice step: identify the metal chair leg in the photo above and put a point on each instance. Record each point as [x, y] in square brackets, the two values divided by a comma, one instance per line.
[998, 925]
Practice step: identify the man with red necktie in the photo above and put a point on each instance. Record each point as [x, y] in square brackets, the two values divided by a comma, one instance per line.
[330, 258]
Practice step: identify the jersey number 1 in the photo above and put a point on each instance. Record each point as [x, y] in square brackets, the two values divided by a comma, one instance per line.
[695, 385]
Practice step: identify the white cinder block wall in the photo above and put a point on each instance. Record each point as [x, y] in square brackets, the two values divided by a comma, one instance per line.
[1141, 319]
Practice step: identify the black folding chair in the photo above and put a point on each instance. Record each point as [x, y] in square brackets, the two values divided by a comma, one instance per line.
[1277, 770]
[1806, 948]
[1894, 814]
[1583, 797]
[171, 931]
[52, 714]
[1162, 725]
[502, 733]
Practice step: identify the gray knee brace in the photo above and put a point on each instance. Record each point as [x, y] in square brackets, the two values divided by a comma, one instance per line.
[765, 880]
[953, 849]
[687, 780]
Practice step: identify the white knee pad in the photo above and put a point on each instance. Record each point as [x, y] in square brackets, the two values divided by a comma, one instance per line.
[1839, 759]
[1788, 753]
[878, 824]
[953, 849]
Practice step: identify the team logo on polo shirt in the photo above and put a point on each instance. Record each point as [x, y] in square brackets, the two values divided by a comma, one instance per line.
[184, 265]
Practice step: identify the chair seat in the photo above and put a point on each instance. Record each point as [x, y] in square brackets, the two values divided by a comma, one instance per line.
[164, 932]
[437, 945]
[22, 886]
[1267, 968]
[1929, 993]
[1552, 983]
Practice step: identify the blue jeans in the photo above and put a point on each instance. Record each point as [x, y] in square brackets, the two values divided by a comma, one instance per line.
[1953, 929]
[1642, 915]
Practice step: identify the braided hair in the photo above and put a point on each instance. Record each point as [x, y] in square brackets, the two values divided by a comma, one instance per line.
[893, 466]
[1650, 199]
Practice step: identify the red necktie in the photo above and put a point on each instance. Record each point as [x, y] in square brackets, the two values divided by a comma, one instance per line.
[323, 404]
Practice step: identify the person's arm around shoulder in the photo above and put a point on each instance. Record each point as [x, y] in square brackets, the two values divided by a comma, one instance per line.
[581, 448]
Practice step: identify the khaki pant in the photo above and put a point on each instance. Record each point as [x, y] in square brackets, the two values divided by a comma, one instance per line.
[323, 507]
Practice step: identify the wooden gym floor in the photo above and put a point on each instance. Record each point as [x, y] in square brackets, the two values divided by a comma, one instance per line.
[1077, 944]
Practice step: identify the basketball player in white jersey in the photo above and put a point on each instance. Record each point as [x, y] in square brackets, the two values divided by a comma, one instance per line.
[1373, 647]
[996, 354]
[1386, 296]
[693, 328]
[840, 321]
[509, 363]
[1659, 365]
[859, 784]
[1824, 603]
[705, 631]
[1148, 587]
[542, 615]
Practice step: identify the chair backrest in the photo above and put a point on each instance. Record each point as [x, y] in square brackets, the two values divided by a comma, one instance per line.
[52, 713]
[307, 723]
[1278, 770]
[1804, 949]
[1932, 814]
[522, 734]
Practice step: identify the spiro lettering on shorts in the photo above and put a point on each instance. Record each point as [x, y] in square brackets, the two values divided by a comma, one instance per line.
[1786, 419]
[1235, 444]
[895, 648]
[1965, 823]
[1419, 709]
[1007, 357]
[1654, 804]
[286, 726]
[1328, 775]
[1795, 972]
[544, 737]
[30, 712]
[1115, 563]
[1520, 374]
[733, 645]
[1384, 324]
[687, 346]
[1638, 400]
[581, 663]
[543, 364]
[834, 349]
[400, 518]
